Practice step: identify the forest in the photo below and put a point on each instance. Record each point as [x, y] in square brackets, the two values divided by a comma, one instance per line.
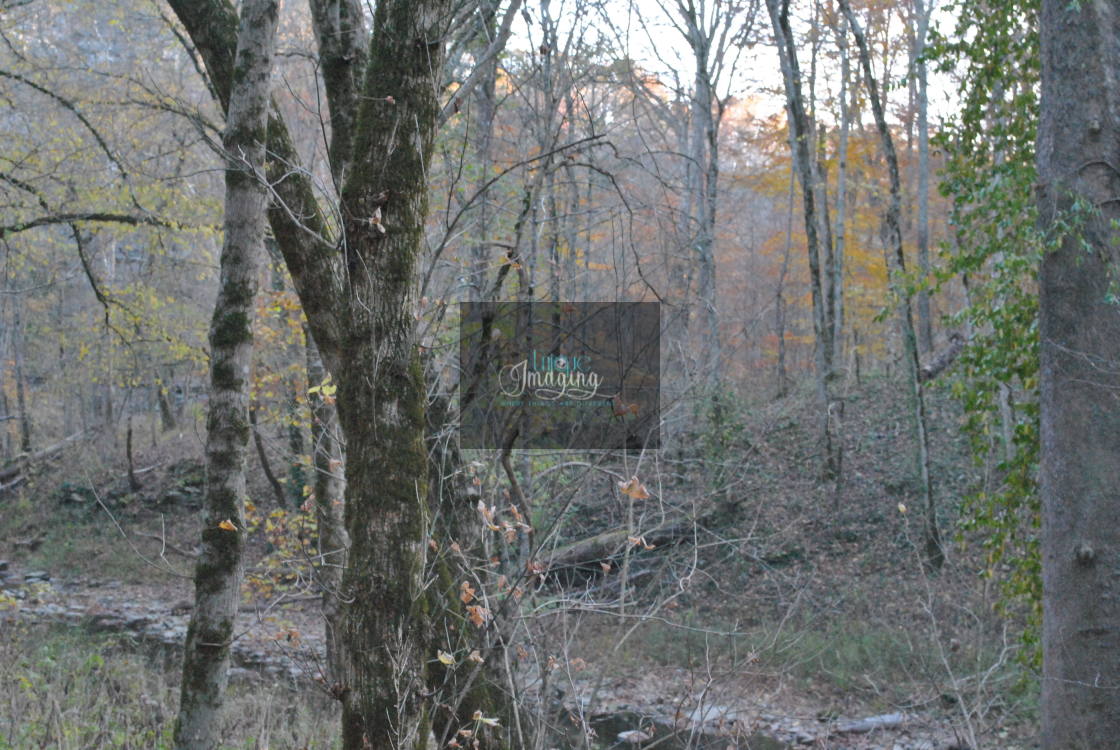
[557, 374]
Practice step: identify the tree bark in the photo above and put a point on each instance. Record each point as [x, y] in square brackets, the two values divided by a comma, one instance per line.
[780, 301]
[846, 87]
[328, 491]
[342, 38]
[462, 689]
[1078, 152]
[166, 416]
[133, 482]
[356, 291]
[21, 398]
[800, 133]
[925, 321]
[266, 465]
[297, 221]
[934, 552]
[818, 138]
[712, 35]
[218, 572]
[381, 389]
[481, 134]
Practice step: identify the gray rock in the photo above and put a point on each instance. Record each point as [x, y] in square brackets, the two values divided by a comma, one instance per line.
[103, 623]
[870, 724]
[240, 673]
[713, 714]
[174, 497]
[36, 576]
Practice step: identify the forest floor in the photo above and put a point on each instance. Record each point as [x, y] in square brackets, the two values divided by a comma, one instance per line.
[804, 611]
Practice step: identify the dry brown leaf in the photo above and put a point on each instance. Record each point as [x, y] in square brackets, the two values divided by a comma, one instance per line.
[634, 489]
[478, 615]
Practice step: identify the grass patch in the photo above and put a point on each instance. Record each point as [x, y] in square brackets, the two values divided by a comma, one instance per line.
[80, 546]
[66, 690]
[892, 665]
[849, 655]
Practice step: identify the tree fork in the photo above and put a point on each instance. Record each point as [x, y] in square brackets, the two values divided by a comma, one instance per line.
[385, 620]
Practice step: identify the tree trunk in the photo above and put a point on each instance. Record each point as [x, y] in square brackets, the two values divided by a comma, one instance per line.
[356, 291]
[842, 197]
[934, 552]
[293, 429]
[461, 689]
[800, 133]
[133, 482]
[705, 31]
[817, 136]
[328, 464]
[711, 359]
[21, 397]
[1078, 150]
[166, 416]
[925, 322]
[339, 27]
[266, 465]
[219, 569]
[780, 301]
[382, 397]
[483, 110]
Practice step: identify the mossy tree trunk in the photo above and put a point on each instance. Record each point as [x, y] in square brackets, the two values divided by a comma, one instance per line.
[356, 290]
[381, 388]
[1078, 155]
[218, 572]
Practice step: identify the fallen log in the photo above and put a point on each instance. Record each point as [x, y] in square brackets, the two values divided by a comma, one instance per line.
[609, 544]
[20, 463]
[870, 724]
[943, 359]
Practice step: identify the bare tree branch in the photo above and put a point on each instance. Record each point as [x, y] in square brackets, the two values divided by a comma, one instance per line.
[100, 216]
[473, 79]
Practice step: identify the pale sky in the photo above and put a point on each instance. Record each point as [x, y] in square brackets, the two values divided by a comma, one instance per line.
[649, 38]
